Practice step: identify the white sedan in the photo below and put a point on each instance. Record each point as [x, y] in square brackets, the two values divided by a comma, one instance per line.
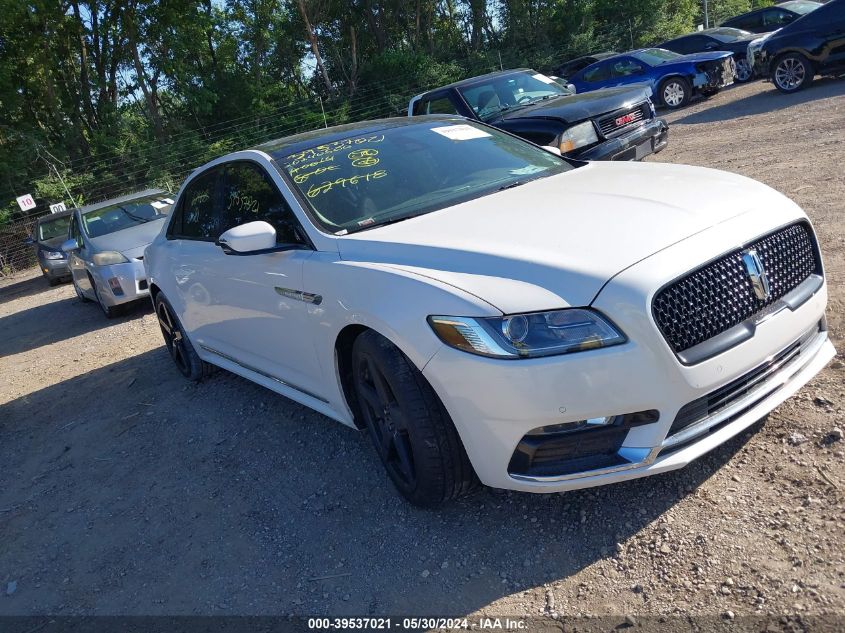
[489, 311]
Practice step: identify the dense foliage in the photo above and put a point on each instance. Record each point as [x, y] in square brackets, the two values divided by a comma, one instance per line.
[117, 95]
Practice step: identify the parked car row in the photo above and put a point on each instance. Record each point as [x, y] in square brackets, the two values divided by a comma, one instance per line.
[787, 44]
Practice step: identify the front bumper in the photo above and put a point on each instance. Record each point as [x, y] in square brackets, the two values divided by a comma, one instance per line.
[649, 138]
[495, 403]
[131, 278]
[54, 268]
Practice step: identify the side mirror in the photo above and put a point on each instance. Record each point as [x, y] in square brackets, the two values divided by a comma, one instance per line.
[29, 241]
[70, 245]
[710, 46]
[249, 238]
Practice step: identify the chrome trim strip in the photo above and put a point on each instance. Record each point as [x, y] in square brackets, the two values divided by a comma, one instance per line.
[263, 373]
[299, 295]
[766, 388]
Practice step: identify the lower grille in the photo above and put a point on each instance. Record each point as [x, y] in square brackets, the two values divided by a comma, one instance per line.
[623, 119]
[720, 295]
[716, 401]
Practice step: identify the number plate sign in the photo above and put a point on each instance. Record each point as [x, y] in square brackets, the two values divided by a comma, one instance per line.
[26, 202]
[58, 207]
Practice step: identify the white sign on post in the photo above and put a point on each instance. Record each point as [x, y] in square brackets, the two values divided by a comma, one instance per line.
[56, 208]
[26, 202]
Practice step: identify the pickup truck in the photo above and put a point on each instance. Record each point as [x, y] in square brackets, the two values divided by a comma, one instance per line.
[611, 124]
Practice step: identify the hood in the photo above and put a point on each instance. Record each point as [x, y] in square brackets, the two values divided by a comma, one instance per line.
[696, 57]
[53, 244]
[577, 107]
[556, 241]
[132, 241]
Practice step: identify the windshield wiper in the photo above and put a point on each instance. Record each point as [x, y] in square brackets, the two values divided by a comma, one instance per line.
[137, 218]
[511, 185]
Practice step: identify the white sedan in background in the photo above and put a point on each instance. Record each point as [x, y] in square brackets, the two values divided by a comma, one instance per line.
[105, 247]
[488, 310]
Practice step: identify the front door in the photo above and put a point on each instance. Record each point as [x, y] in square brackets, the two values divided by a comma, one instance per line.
[256, 311]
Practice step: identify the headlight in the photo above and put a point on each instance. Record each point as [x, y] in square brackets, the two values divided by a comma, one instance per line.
[577, 136]
[109, 257]
[54, 255]
[528, 335]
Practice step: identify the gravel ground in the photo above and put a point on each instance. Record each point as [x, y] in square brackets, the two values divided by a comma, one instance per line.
[126, 490]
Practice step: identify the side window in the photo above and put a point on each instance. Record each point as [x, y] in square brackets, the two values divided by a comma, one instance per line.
[777, 18]
[250, 195]
[599, 72]
[626, 67]
[440, 105]
[197, 216]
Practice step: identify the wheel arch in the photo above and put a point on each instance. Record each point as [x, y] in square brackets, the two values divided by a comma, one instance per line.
[343, 364]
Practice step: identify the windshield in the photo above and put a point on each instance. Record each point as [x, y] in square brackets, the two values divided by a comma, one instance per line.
[801, 7]
[655, 56]
[48, 229]
[727, 34]
[506, 92]
[117, 217]
[364, 181]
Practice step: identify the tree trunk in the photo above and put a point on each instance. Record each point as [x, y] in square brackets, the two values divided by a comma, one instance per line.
[315, 48]
[84, 80]
[478, 9]
[149, 96]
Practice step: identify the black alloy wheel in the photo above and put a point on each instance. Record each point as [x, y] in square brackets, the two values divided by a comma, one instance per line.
[177, 343]
[386, 423]
[408, 424]
[174, 340]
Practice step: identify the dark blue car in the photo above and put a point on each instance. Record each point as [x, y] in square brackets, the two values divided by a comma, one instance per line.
[673, 78]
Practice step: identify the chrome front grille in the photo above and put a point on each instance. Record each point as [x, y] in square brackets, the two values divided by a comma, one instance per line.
[720, 295]
[623, 119]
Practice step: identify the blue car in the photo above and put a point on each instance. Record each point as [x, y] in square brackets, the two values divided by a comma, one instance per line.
[674, 79]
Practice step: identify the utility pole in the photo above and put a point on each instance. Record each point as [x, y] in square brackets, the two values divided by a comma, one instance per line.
[706, 16]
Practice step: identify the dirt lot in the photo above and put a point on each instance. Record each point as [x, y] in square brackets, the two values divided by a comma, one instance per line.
[126, 490]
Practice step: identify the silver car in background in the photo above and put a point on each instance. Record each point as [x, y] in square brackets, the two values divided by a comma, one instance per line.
[106, 243]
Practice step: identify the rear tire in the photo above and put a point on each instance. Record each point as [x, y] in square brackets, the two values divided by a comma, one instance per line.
[409, 426]
[792, 72]
[675, 92]
[178, 345]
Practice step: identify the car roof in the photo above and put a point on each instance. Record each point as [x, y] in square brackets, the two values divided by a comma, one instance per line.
[299, 142]
[53, 216]
[479, 79]
[146, 193]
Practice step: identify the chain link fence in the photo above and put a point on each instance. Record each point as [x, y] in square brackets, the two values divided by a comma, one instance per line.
[15, 254]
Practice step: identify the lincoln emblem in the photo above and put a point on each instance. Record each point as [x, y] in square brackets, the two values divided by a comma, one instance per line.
[757, 274]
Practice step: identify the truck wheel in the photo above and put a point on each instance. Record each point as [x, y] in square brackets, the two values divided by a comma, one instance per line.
[411, 430]
[792, 72]
[675, 92]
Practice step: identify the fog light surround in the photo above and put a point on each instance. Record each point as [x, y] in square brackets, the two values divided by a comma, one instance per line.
[114, 284]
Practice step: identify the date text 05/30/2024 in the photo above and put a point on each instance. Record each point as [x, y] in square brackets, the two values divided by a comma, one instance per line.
[417, 624]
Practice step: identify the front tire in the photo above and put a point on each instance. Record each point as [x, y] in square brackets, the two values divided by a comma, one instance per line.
[675, 92]
[78, 291]
[178, 345]
[792, 72]
[409, 426]
[109, 311]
